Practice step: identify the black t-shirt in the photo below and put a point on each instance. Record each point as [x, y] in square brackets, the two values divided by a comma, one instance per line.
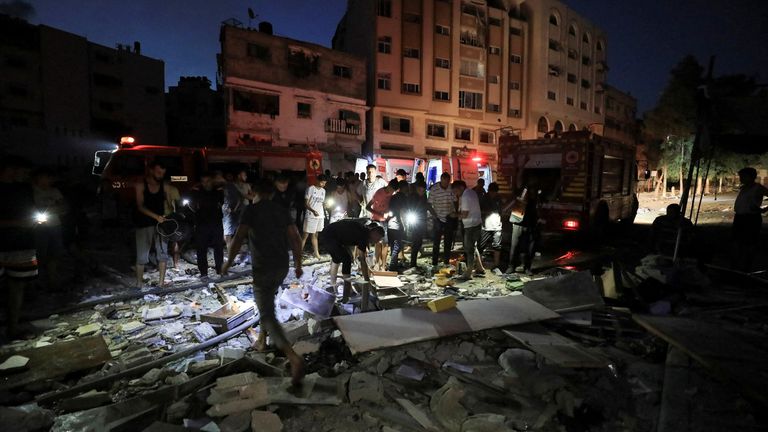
[285, 199]
[490, 205]
[347, 233]
[18, 205]
[267, 235]
[208, 205]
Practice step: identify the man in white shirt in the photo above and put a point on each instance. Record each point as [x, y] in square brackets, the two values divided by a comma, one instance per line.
[471, 218]
[748, 219]
[314, 218]
[368, 187]
[443, 203]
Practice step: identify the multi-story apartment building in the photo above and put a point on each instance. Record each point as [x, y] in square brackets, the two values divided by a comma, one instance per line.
[444, 75]
[195, 114]
[63, 97]
[620, 116]
[283, 92]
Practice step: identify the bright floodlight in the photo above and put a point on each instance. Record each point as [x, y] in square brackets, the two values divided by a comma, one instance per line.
[411, 218]
[41, 217]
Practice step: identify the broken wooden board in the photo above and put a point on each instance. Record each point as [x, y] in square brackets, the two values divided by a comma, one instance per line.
[58, 359]
[730, 355]
[395, 327]
[387, 281]
[556, 349]
[565, 293]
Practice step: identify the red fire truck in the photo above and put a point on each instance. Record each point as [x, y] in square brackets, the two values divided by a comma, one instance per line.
[585, 180]
[122, 168]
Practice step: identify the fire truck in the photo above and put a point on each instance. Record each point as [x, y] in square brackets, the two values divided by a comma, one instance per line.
[583, 180]
[120, 169]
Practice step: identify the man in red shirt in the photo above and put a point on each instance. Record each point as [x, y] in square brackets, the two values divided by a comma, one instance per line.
[378, 206]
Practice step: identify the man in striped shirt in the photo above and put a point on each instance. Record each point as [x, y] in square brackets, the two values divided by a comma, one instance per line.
[443, 201]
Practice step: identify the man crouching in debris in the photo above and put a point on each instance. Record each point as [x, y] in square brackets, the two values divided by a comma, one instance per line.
[270, 234]
[338, 238]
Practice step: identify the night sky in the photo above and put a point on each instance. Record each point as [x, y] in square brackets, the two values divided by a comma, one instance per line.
[645, 39]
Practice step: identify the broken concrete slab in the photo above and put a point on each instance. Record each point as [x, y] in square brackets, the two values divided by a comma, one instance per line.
[306, 346]
[29, 417]
[485, 423]
[314, 391]
[235, 406]
[162, 312]
[565, 293]
[14, 363]
[556, 349]
[417, 413]
[364, 386]
[177, 379]
[85, 401]
[237, 380]
[88, 329]
[238, 422]
[445, 405]
[265, 421]
[395, 327]
[132, 327]
[204, 331]
[203, 366]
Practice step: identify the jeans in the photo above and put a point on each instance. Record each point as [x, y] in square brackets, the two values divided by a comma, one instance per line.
[209, 236]
[446, 230]
[471, 239]
[523, 242]
[396, 243]
[265, 285]
[417, 239]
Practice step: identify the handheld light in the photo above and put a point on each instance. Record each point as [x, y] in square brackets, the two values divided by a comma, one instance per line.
[41, 217]
[411, 218]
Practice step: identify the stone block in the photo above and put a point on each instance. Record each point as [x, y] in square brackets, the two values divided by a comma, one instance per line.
[203, 366]
[88, 329]
[265, 421]
[364, 386]
[237, 380]
[132, 327]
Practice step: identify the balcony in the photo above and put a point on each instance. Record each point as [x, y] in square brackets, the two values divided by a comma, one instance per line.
[342, 127]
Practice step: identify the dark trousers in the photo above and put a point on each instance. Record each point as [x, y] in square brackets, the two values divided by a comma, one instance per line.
[523, 243]
[396, 243]
[746, 238]
[417, 240]
[209, 236]
[265, 285]
[446, 230]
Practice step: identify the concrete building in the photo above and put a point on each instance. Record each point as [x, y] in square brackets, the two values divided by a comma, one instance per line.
[195, 114]
[448, 74]
[283, 92]
[63, 97]
[620, 116]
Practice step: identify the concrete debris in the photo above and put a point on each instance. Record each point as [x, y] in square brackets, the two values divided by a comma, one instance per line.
[88, 329]
[132, 327]
[485, 423]
[417, 413]
[265, 421]
[177, 379]
[85, 401]
[24, 418]
[238, 422]
[445, 405]
[204, 331]
[364, 386]
[162, 312]
[237, 380]
[14, 363]
[203, 366]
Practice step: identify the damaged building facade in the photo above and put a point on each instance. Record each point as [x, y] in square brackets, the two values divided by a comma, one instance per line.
[455, 74]
[287, 93]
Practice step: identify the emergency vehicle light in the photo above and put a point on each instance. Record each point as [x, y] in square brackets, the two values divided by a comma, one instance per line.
[127, 140]
[571, 224]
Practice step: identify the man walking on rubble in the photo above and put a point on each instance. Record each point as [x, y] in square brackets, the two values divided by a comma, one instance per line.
[209, 232]
[270, 234]
[150, 205]
[748, 219]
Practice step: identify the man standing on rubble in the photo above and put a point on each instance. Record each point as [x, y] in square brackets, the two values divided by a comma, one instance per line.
[490, 236]
[367, 188]
[270, 234]
[748, 219]
[443, 201]
[18, 259]
[150, 206]
[314, 214]
[209, 232]
[469, 212]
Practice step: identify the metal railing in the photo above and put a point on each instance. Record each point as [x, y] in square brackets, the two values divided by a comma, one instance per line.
[342, 127]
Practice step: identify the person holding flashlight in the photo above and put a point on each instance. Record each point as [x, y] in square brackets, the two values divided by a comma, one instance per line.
[396, 223]
[416, 218]
[490, 235]
[49, 241]
[338, 202]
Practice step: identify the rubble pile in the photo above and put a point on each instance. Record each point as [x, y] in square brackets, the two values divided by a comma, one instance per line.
[184, 360]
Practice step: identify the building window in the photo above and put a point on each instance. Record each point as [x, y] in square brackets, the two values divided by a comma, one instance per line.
[572, 30]
[583, 105]
[411, 52]
[514, 85]
[384, 8]
[551, 95]
[493, 79]
[569, 101]
[599, 45]
[515, 58]
[487, 137]
[436, 130]
[342, 71]
[543, 125]
[553, 20]
[597, 110]
[585, 84]
[412, 18]
[559, 126]
[473, 10]
[494, 21]
[472, 68]
[385, 45]
[471, 38]
[494, 50]
[443, 30]
[411, 88]
[258, 51]
[396, 124]
[554, 45]
[495, 108]
[303, 110]
[586, 61]
[572, 78]
[516, 31]
[442, 96]
[442, 63]
[470, 100]
[258, 103]
[572, 128]
[384, 81]
[573, 54]
[585, 38]
[514, 112]
[461, 133]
